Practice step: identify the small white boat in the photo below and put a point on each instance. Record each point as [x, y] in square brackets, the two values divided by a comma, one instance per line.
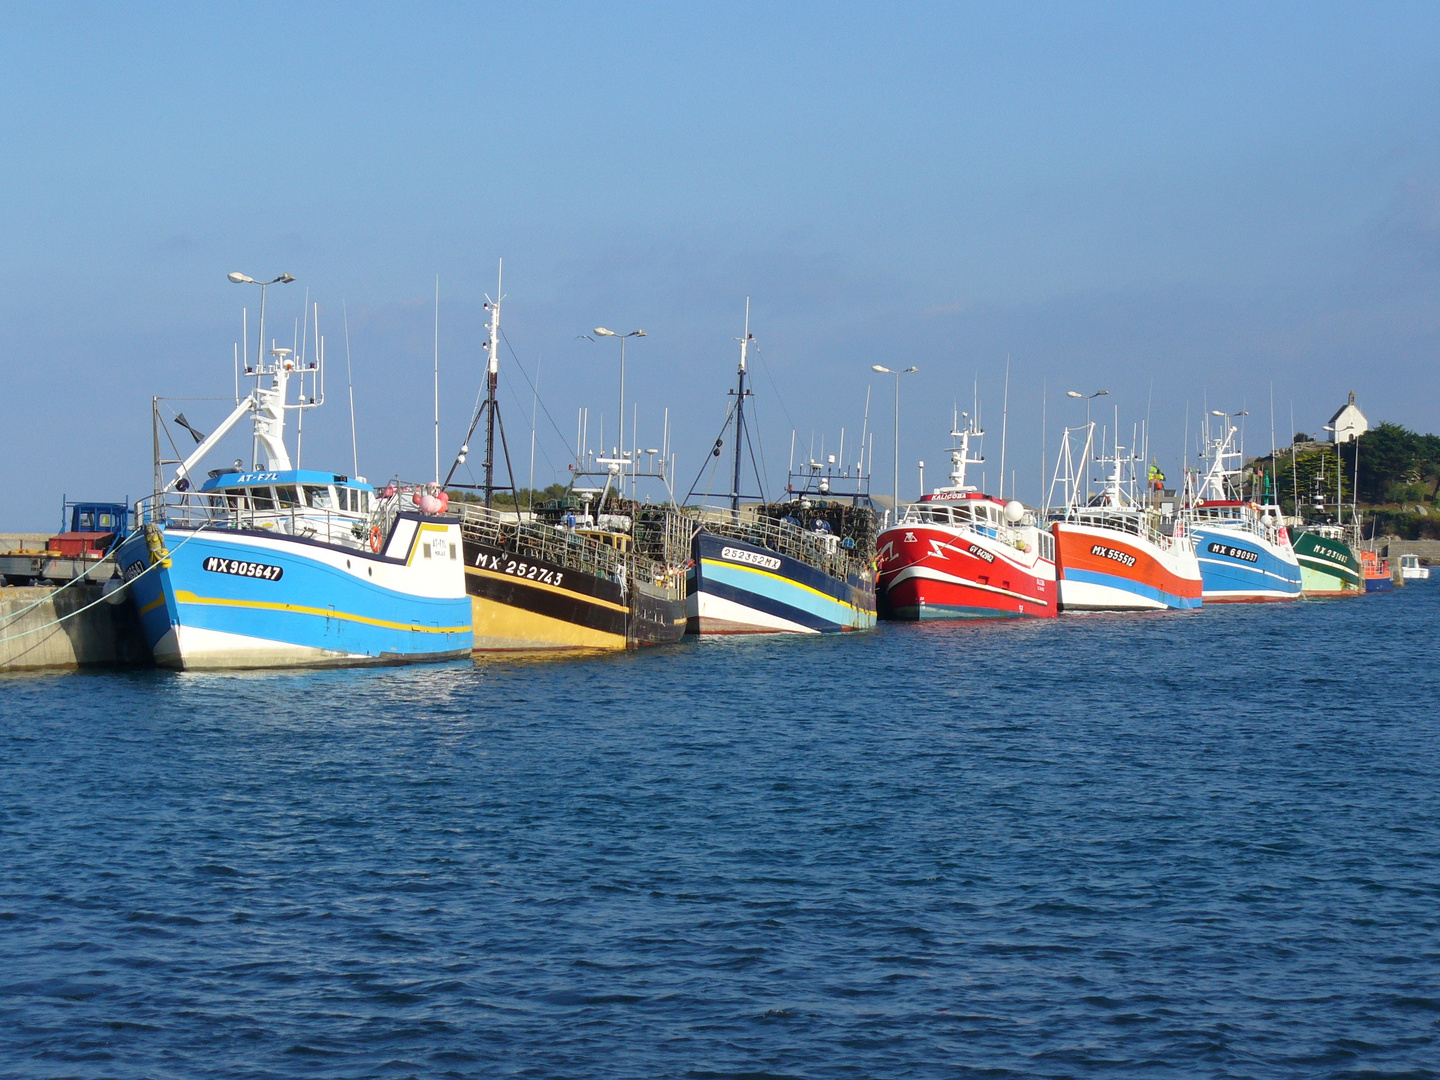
[1411, 570]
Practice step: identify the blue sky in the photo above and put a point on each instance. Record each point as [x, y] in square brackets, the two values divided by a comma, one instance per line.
[1174, 203]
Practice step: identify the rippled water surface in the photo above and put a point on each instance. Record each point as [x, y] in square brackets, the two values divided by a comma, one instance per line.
[1203, 844]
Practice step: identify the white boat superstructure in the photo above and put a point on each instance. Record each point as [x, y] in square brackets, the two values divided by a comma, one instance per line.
[1411, 570]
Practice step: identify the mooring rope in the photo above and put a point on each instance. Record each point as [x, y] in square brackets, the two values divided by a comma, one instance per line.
[106, 598]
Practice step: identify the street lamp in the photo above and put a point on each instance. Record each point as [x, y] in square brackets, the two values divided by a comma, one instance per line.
[1087, 398]
[238, 278]
[887, 371]
[611, 333]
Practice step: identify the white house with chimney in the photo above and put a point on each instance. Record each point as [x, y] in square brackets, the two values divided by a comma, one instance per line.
[1349, 423]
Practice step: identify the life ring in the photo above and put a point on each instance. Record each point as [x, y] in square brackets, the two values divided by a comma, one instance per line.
[375, 538]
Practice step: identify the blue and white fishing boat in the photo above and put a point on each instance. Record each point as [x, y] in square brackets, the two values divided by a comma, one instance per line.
[275, 566]
[805, 565]
[1243, 545]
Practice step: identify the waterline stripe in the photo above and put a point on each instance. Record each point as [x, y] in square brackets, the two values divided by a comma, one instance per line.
[183, 597]
[780, 578]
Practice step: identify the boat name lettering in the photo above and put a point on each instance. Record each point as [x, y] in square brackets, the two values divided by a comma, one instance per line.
[751, 558]
[516, 568]
[264, 571]
[1110, 553]
[256, 477]
[134, 570]
[981, 553]
[1235, 552]
[1330, 553]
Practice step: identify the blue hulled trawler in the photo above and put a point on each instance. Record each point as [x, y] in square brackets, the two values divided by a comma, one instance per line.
[273, 565]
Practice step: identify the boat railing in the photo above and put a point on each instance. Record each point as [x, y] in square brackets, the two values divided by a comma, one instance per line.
[1017, 537]
[561, 546]
[1142, 524]
[824, 551]
[216, 510]
[1241, 517]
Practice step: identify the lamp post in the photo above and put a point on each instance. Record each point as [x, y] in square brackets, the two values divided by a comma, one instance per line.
[238, 278]
[611, 333]
[887, 371]
[1087, 398]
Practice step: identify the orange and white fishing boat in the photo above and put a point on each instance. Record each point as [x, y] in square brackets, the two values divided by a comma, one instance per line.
[1114, 552]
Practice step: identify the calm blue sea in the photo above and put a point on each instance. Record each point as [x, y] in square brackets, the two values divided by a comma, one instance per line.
[1199, 845]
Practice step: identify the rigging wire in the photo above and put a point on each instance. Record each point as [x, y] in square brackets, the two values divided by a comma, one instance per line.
[714, 461]
[514, 356]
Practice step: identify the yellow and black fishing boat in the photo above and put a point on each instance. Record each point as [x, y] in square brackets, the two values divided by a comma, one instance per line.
[538, 585]
[561, 578]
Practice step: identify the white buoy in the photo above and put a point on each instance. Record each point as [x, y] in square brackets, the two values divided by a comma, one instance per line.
[1014, 511]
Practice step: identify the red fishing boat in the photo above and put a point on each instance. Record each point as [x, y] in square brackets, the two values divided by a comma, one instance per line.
[961, 554]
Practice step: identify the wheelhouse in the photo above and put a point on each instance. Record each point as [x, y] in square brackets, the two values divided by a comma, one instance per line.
[290, 490]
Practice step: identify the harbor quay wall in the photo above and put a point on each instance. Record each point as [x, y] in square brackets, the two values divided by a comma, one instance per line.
[31, 637]
[1428, 550]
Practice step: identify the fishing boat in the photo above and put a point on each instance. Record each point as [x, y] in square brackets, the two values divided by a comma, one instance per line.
[1113, 552]
[1243, 545]
[277, 566]
[800, 565]
[958, 553]
[582, 572]
[1328, 565]
[1411, 570]
[1377, 572]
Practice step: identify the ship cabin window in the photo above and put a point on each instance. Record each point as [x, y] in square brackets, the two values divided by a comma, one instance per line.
[353, 499]
[321, 498]
[938, 514]
[261, 498]
[286, 496]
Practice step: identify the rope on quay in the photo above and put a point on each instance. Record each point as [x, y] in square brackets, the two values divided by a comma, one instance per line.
[102, 600]
[82, 577]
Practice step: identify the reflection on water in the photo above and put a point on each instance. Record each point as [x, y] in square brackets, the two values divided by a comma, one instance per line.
[1200, 843]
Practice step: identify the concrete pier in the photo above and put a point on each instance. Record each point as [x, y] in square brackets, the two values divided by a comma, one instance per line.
[105, 634]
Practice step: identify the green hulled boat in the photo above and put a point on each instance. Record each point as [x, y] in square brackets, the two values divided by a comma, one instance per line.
[1328, 565]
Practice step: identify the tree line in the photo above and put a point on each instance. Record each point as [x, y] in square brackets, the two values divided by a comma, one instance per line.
[1396, 465]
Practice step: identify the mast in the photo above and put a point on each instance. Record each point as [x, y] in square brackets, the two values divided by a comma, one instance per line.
[489, 410]
[960, 455]
[740, 414]
[492, 382]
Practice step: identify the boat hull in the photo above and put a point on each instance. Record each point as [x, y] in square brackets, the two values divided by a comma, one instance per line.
[1328, 567]
[934, 572]
[535, 605]
[1237, 566]
[214, 599]
[1103, 569]
[736, 587]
